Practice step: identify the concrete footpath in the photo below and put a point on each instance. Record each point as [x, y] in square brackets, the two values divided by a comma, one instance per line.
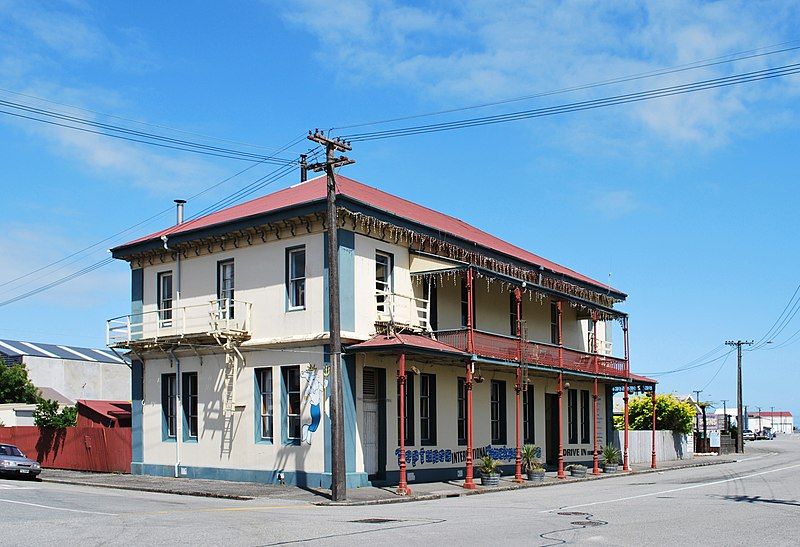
[356, 496]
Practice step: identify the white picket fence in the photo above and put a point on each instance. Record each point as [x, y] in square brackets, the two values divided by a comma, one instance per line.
[669, 445]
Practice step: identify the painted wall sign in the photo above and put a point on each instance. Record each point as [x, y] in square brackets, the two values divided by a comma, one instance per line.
[446, 455]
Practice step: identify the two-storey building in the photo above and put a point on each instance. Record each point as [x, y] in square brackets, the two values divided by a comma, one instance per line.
[491, 345]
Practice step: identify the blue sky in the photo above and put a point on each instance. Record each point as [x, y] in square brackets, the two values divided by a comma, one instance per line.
[688, 204]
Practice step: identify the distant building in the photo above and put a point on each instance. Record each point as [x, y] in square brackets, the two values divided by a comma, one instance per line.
[780, 421]
[68, 373]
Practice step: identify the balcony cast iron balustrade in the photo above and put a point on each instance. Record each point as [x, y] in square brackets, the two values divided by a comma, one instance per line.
[498, 346]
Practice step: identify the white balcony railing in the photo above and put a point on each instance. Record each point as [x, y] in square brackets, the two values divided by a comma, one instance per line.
[402, 309]
[216, 317]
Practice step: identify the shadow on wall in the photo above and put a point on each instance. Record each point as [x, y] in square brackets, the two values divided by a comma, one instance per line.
[678, 442]
[50, 443]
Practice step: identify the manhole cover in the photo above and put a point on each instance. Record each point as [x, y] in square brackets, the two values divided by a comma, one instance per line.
[587, 523]
[572, 513]
[374, 521]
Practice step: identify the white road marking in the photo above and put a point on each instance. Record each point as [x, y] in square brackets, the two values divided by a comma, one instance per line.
[59, 508]
[15, 487]
[702, 485]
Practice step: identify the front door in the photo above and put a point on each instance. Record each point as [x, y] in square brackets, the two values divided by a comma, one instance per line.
[551, 427]
[371, 444]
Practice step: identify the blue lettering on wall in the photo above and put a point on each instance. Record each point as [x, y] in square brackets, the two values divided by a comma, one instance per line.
[445, 455]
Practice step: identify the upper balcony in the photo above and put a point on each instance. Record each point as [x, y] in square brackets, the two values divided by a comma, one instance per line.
[507, 348]
[399, 309]
[207, 323]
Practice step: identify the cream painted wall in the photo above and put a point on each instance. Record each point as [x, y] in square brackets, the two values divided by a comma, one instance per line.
[235, 446]
[364, 273]
[260, 273]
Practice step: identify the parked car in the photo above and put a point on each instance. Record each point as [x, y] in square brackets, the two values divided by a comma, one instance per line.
[748, 435]
[14, 462]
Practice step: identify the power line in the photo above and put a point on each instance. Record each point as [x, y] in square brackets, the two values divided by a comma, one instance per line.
[718, 370]
[140, 122]
[262, 182]
[703, 63]
[669, 91]
[145, 221]
[784, 319]
[133, 135]
[695, 363]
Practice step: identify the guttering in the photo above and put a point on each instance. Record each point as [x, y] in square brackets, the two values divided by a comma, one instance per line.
[178, 423]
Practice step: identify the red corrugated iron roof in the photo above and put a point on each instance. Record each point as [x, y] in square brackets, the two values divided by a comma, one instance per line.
[776, 414]
[109, 409]
[315, 189]
[407, 342]
[639, 379]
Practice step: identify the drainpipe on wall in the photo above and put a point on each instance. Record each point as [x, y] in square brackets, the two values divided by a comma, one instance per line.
[178, 423]
[179, 203]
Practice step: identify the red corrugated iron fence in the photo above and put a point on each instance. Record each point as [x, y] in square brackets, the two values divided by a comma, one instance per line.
[78, 448]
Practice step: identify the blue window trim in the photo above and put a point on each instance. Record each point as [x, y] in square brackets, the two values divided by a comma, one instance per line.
[165, 401]
[257, 406]
[285, 440]
[287, 287]
[185, 407]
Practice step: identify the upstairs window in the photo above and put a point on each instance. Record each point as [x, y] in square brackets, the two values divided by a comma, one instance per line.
[513, 313]
[296, 277]
[465, 304]
[554, 338]
[383, 280]
[430, 293]
[164, 298]
[225, 286]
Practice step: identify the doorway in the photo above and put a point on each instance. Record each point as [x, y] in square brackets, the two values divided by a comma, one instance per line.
[551, 428]
[374, 433]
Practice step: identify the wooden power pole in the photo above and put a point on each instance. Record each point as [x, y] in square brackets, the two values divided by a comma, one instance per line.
[338, 467]
[739, 419]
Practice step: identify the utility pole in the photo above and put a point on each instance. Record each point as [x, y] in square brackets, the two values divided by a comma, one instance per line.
[724, 414]
[338, 467]
[739, 420]
[697, 393]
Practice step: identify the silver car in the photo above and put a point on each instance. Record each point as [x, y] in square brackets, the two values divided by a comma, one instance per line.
[14, 462]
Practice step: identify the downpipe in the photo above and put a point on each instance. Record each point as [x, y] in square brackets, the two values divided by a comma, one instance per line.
[178, 422]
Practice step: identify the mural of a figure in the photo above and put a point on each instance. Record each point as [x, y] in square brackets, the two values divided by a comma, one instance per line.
[315, 389]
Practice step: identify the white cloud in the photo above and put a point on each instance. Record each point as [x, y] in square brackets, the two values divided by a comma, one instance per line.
[454, 53]
[614, 204]
[41, 43]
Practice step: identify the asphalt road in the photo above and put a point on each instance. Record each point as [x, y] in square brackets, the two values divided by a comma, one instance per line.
[752, 502]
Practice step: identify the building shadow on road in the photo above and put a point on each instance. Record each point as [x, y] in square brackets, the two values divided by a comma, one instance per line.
[759, 499]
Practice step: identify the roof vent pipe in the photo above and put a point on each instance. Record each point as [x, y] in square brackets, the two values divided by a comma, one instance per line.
[179, 203]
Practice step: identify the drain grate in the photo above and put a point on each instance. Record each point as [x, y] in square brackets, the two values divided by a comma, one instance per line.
[374, 521]
[572, 514]
[587, 523]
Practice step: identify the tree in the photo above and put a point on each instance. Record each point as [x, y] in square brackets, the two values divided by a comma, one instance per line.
[15, 386]
[48, 415]
[671, 413]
